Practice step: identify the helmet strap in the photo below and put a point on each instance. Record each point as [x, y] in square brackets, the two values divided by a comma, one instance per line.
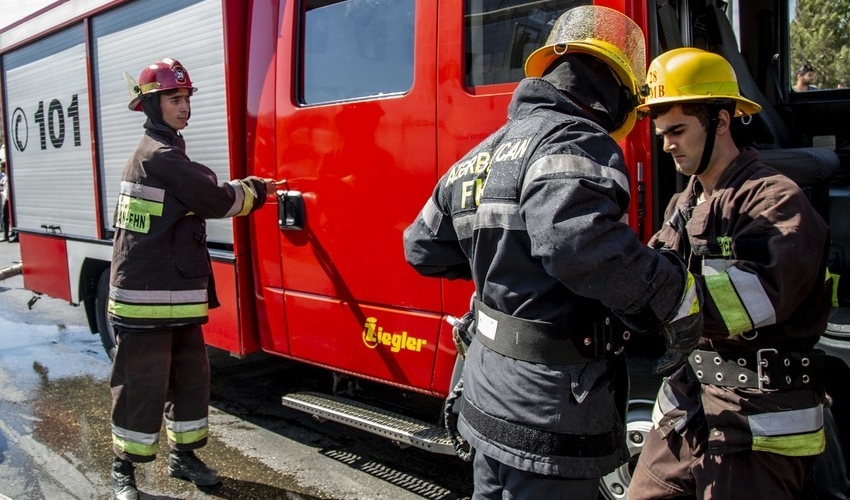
[711, 133]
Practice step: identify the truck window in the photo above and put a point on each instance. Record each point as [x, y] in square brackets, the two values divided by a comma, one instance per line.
[819, 45]
[500, 34]
[356, 48]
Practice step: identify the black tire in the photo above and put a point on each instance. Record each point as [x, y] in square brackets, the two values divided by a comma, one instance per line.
[644, 387]
[104, 327]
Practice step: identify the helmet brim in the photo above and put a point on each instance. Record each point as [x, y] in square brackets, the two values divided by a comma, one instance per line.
[743, 106]
[136, 103]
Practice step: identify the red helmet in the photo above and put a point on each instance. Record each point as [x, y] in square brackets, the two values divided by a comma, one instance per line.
[166, 74]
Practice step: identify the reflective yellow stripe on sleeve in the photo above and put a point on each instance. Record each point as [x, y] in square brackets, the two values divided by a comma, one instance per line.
[244, 198]
[726, 299]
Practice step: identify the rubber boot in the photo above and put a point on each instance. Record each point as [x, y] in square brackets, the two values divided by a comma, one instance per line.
[185, 465]
[124, 480]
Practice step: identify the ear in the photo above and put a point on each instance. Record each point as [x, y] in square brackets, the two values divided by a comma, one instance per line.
[724, 123]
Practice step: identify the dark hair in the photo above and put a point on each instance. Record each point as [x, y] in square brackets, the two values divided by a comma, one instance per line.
[701, 109]
[805, 68]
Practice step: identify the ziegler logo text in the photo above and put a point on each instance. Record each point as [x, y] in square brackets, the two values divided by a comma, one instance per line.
[374, 335]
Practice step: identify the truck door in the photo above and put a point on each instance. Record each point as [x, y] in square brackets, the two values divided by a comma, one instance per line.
[356, 143]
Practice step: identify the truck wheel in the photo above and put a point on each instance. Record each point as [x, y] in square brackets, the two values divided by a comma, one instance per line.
[615, 485]
[644, 387]
[107, 334]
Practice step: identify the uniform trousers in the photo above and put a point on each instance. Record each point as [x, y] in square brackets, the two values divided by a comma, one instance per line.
[160, 373]
[494, 480]
[680, 466]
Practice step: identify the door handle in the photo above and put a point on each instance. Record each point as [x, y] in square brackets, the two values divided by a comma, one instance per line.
[290, 210]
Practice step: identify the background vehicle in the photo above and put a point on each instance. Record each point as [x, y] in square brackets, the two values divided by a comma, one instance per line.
[360, 105]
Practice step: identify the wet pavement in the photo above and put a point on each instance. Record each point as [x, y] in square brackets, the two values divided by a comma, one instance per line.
[55, 432]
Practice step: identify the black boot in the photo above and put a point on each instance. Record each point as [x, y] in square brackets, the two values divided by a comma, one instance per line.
[124, 480]
[185, 465]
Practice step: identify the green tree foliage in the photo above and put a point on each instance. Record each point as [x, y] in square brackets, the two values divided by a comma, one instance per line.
[820, 35]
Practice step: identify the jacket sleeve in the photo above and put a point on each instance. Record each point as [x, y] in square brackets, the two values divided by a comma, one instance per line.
[574, 211]
[197, 188]
[431, 245]
[777, 262]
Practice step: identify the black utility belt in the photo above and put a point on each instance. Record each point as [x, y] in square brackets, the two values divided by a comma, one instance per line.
[766, 369]
[547, 343]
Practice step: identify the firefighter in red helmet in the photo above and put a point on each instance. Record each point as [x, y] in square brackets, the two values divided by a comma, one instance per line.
[161, 284]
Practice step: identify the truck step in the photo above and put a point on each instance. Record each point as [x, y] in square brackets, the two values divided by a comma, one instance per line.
[396, 427]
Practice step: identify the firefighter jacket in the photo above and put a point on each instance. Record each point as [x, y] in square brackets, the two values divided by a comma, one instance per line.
[758, 250]
[535, 216]
[161, 273]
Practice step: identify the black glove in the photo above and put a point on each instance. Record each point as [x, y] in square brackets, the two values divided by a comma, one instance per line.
[682, 333]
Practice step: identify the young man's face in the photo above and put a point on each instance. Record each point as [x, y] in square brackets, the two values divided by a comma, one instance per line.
[684, 138]
[175, 108]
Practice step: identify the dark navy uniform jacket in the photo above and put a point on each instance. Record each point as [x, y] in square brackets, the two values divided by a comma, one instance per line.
[536, 215]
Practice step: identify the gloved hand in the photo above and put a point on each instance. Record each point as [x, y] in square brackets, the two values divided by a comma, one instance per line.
[682, 333]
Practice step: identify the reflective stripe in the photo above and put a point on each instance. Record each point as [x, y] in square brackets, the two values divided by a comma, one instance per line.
[134, 214]
[726, 299]
[577, 166]
[665, 402]
[690, 301]
[499, 215]
[187, 432]
[464, 226]
[489, 215]
[781, 423]
[834, 277]
[157, 296]
[187, 425]
[713, 267]
[244, 198]
[135, 190]
[166, 311]
[140, 205]
[794, 433]
[136, 443]
[753, 296]
[800, 445]
[432, 216]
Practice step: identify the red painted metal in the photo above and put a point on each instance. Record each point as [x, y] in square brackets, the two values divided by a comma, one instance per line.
[338, 293]
[45, 260]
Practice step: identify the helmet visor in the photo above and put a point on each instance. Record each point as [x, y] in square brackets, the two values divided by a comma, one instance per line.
[589, 23]
[587, 26]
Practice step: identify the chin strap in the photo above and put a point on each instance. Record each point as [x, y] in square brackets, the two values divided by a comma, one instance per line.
[711, 132]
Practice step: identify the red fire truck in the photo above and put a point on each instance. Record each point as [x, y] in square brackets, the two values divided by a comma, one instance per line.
[360, 105]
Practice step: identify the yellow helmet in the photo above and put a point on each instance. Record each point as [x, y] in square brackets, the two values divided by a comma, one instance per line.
[689, 74]
[604, 33]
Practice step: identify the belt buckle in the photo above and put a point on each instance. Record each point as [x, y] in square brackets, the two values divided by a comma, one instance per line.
[761, 363]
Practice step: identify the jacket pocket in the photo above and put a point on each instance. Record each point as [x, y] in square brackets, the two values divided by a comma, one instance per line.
[189, 247]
